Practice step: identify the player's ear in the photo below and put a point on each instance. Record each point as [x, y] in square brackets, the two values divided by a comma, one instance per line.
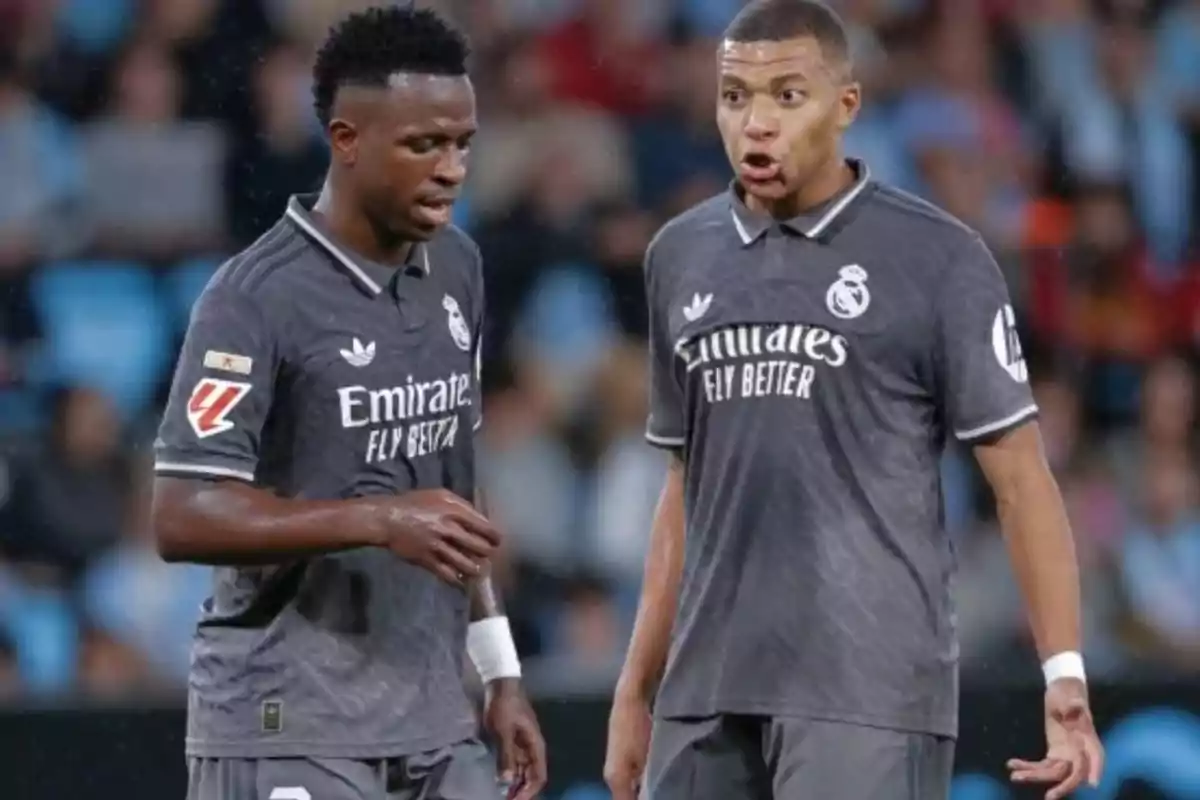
[849, 102]
[343, 141]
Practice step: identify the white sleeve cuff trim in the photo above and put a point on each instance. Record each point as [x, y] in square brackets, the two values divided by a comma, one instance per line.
[998, 425]
[665, 441]
[203, 469]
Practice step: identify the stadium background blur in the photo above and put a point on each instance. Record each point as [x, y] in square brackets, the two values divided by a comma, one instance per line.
[143, 140]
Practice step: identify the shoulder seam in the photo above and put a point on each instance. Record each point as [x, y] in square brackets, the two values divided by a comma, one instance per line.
[246, 271]
[272, 262]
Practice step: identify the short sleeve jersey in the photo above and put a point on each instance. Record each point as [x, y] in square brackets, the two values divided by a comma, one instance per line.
[810, 371]
[314, 373]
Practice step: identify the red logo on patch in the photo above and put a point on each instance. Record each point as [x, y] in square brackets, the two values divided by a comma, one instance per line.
[210, 404]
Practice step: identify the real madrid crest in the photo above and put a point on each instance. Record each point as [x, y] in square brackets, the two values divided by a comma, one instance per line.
[848, 296]
[459, 330]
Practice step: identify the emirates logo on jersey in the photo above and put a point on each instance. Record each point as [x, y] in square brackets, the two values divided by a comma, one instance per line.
[210, 404]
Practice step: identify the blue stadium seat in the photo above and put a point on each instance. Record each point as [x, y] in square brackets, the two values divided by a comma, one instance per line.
[95, 25]
[105, 328]
[586, 791]
[184, 283]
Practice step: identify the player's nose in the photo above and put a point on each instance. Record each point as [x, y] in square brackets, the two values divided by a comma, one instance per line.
[451, 170]
[761, 122]
[760, 128]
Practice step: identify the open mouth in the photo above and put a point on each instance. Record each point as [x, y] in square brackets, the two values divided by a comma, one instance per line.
[759, 168]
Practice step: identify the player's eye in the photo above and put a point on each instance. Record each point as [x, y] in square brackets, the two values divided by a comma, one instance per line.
[464, 144]
[733, 96]
[792, 97]
[421, 144]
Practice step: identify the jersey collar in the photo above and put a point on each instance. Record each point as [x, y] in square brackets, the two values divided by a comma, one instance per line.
[369, 275]
[811, 224]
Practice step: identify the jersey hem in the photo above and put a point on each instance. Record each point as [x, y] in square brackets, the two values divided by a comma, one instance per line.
[947, 727]
[257, 748]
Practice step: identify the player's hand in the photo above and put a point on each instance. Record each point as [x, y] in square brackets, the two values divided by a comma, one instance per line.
[628, 746]
[1073, 750]
[439, 531]
[510, 720]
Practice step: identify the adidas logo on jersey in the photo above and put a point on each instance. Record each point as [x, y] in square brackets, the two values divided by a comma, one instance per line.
[358, 355]
[698, 307]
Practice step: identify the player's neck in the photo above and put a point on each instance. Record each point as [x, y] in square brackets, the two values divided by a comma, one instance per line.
[354, 230]
[825, 184]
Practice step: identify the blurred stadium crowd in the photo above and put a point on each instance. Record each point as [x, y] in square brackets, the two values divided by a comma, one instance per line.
[141, 141]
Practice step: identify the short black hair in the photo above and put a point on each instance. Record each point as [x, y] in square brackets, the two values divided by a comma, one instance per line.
[368, 47]
[780, 20]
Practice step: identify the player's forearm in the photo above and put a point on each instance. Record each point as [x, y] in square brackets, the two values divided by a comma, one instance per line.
[231, 524]
[484, 600]
[1043, 556]
[1042, 550]
[490, 643]
[647, 656]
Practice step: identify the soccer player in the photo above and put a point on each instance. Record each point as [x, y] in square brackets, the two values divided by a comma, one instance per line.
[317, 449]
[815, 336]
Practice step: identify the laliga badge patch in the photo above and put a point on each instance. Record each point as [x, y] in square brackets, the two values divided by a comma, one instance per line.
[210, 404]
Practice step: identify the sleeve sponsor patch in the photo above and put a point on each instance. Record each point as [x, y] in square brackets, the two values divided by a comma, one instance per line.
[228, 362]
[210, 404]
[1007, 345]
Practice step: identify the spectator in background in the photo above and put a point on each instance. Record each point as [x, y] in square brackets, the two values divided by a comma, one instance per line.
[1160, 568]
[1101, 300]
[62, 508]
[1166, 422]
[1059, 42]
[622, 232]
[212, 43]
[524, 131]
[139, 605]
[285, 155]
[1121, 128]
[966, 137]
[308, 20]
[39, 162]
[586, 637]
[154, 186]
[39, 165]
[537, 170]
[628, 475]
[528, 475]
[1178, 39]
[678, 157]
[70, 501]
[62, 46]
[603, 58]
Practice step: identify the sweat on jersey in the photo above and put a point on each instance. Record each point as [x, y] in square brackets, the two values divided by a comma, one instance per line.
[810, 372]
[314, 373]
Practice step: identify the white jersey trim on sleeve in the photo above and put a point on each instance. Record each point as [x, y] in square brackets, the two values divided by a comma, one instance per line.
[665, 441]
[998, 425]
[203, 469]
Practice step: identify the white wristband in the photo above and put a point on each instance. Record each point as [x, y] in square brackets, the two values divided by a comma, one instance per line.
[492, 650]
[1068, 664]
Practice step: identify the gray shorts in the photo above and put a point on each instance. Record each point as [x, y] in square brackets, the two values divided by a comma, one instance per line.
[779, 758]
[464, 771]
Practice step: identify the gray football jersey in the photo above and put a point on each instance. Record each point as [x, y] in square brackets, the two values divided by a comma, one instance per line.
[316, 374]
[810, 371]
